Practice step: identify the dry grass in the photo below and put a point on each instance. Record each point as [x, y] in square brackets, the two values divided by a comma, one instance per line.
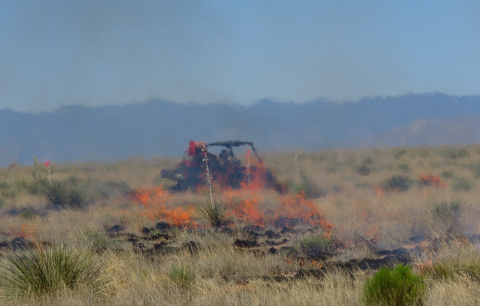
[226, 276]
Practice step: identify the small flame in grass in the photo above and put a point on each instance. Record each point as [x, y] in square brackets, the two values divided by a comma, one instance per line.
[424, 267]
[316, 264]
[432, 180]
[154, 202]
[245, 205]
[379, 191]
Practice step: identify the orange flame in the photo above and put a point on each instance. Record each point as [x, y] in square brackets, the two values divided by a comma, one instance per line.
[424, 267]
[245, 204]
[153, 200]
[432, 180]
[248, 205]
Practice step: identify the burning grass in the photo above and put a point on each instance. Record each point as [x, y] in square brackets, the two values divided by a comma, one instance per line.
[279, 248]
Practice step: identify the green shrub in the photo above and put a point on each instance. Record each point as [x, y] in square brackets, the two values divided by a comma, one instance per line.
[2, 200]
[7, 190]
[397, 183]
[363, 168]
[403, 168]
[216, 214]
[48, 270]
[456, 153]
[424, 154]
[36, 187]
[394, 287]
[65, 193]
[435, 164]
[27, 214]
[448, 174]
[314, 246]
[399, 153]
[182, 275]
[462, 184]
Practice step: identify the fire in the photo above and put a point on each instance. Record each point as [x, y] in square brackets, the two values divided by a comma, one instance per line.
[379, 191]
[27, 231]
[365, 221]
[432, 180]
[245, 204]
[424, 267]
[249, 206]
[153, 200]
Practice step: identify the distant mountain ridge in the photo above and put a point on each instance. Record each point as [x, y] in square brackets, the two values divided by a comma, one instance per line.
[163, 128]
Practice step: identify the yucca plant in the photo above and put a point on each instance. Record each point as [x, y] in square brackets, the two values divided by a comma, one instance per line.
[50, 270]
[215, 213]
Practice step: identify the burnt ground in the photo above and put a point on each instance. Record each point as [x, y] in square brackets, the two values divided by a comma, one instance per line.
[162, 240]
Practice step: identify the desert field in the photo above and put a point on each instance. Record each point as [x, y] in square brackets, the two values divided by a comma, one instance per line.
[342, 215]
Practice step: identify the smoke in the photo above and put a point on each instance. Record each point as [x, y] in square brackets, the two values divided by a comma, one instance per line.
[115, 52]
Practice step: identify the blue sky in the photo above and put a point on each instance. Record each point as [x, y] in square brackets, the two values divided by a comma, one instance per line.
[99, 52]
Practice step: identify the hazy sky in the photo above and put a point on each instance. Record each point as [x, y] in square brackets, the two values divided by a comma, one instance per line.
[97, 52]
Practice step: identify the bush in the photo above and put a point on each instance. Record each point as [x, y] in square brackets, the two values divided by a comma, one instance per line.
[424, 154]
[314, 246]
[7, 190]
[36, 187]
[394, 287]
[2, 201]
[403, 168]
[27, 214]
[183, 275]
[448, 213]
[216, 214]
[65, 193]
[457, 153]
[399, 153]
[448, 174]
[363, 168]
[462, 184]
[397, 183]
[48, 270]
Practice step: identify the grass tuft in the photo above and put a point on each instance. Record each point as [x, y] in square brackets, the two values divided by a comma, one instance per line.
[453, 270]
[50, 270]
[314, 246]
[183, 275]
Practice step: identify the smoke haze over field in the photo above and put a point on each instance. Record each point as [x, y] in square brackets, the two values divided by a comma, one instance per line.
[99, 52]
[163, 128]
[90, 79]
